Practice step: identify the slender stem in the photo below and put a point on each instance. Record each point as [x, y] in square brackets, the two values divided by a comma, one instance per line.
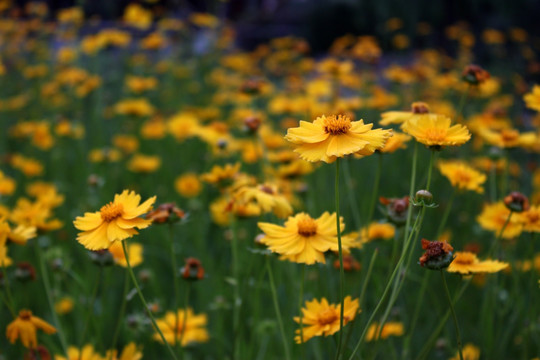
[352, 193]
[90, 309]
[431, 158]
[277, 310]
[462, 101]
[499, 236]
[141, 296]
[184, 318]
[416, 313]
[458, 333]
[47, 285]
[493, 182]
[9, 299]
[375, 192]
[174, 279]
[237, 302]
[120, 313]
[300, 303]
[444, 218]
[341, 271]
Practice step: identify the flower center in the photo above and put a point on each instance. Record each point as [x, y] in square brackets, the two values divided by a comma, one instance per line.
[25, 314]
[307, 226]
[509, 135]
[111, 211]
[336, 125]
[436, 135]
[463, 177]
[420, 108]
[328, 316]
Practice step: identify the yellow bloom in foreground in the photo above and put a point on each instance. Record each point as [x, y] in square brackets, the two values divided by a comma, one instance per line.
[86, 353]
[469, 352]
[462, 176]
[116, 221]
[436, 130]
[466, 263]
[134, 251]
[389, 329]
[191, 327]
[493, 217]
[303, 239]
[322, 318]
[328, 138]
[25, 327]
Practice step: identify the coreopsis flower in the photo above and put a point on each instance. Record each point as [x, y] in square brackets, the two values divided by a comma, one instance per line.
[189, 328]
[19, 235]
[137, 16]
[469, 352]
[116, 221]
[494, 216]
[64, 305]
[188, 185]
[532, 99]
[372, 232]
[127, 143]
[389, 329]
[508, 138]
[396, 142]
[7, 185]
[418, 109]
[34, 214]
[435, 131]
[328, 138]
[134, 252]
[87, 352]
[321, 318]
[221, 176]
[462, 176]
[25, 327]
[530, 219]
[266, 197]
[466, 263]
[437, 255]
[134, 107]
[303, 239]
[140, 163]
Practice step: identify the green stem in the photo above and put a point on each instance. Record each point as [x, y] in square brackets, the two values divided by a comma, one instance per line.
[184, 319]
[458, 333]
[352, 194]
[341, 271]
[375, 192]
[444, 218]
[120, 313]
[90, 309]
[141, 296]
[9, 299]
[300, 303]
[462, 101]
[277, 310]
[236, 301]
[416, 314]
[47, 285]
[174, 279]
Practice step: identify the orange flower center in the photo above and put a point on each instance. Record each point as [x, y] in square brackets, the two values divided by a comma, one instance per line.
[307, 226]
[336, 125]
[25, 314]
[509, 135]
[436, 134]
[465, 259]
[111, 211]
[420, 108]
[328, 316]
[463, 176]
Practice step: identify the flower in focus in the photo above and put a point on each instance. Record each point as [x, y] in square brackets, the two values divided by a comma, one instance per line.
[25, 327]
[436, 131]
[321, 318]
[389, 329]
[188, 185]
[134, 251]
[462, 176]
[303, 239]
[116, 221]
[190, 329]
[437, 255]
[466, 263]
[328, 138]
[469, 352]
[494, 216]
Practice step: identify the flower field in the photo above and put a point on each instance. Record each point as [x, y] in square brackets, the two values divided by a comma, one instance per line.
[166, 194]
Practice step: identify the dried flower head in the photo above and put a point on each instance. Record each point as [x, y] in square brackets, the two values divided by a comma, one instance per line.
[166, 213]
[192, 270]
[516, 201]
[437, 255]
[396, 209]
[474, 74]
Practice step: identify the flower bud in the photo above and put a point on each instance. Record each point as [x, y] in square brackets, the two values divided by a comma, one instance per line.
[193, 270]
[349, 263]
[438, 254]
[396, 209]
[424, 196]
[516, 201]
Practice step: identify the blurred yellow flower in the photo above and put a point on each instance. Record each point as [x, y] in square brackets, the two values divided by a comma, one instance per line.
[140, 163]
[466, 263]
[7, 184]
[494, 216]
[137, 16]
[462, 176]
[134, 251]
[532, 99]
[389, 329]
[25, 327]
[436, 131]
[469, 352]
[64, 305]
[190, 329]
[188, 185]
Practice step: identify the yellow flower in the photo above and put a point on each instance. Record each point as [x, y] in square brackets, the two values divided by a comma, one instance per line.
[134, 107]
[19, 235]
[86, 353]
[138, 84]
[154, 129]
[7, 185]
[130, 352]
[25, 327]
[462, 176]
[126, 143]
[116, 221]
[435, 131]
[188, 185]
[64, 305]
[532, 99]
[321, 318]
[508, 138]
[396, 142]
[5, 260]
[266, 197]
[134, 250]
[34, 214]
[221, 175]
[469, 352]
[137, 16]
[389, 329]
[494, 216]
[191, 327]
[530, 219]
[140, 163]
[204, 20]
[466, 263]
[328, 138]
[303, 239]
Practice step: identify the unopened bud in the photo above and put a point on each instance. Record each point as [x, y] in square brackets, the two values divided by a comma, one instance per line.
[516, 201]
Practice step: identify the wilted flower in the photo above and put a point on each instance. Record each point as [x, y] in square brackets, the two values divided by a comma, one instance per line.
[166, 213]
[192, 270]
[516, 201]
[474, 74]
[25, 327]
[438, 254]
